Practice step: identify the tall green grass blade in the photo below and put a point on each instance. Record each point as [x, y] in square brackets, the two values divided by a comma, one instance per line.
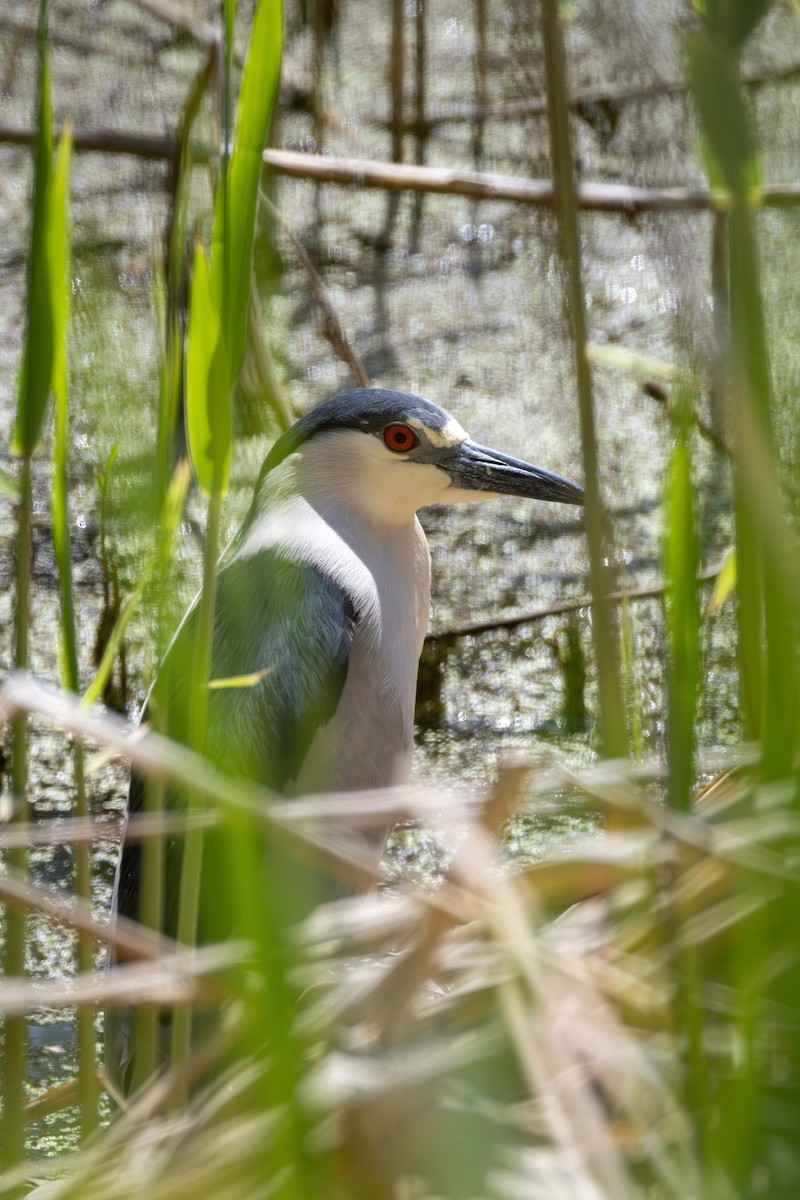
[151, 911]
[104, 477]
[235, 213]
[730, 22]
[767, 573]
[59, 238]
[45, 294]
[44, 291]
[168, 295]
[208, 409]
[170, 373]
[729, 143]
[217, 329]
[170, 516]
[749, 613]
[58, 235]
[228, 30]
[259, 897]
[757, 479]
[681, 555]
[632, 693]
[12, 1143]
[208, 416]
[191, 867]
[13, 963]
[604, 628]
[767, 559]
[724, 583]
[9, 486]
[105, 668]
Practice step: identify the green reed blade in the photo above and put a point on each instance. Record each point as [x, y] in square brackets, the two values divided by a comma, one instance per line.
[681, 555]
[168, 295]
[9, 486]
[604, 628]
[235, 213]
[58, 234]
[208, 409]
[44, 288]
[45, 293]
[730, 22]
[767, 584]
[217, 328]
[58, 231]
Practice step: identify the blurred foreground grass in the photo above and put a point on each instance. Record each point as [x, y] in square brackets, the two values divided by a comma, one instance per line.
[619, 1018]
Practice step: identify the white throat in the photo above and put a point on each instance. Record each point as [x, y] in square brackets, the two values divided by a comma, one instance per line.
[378, 554]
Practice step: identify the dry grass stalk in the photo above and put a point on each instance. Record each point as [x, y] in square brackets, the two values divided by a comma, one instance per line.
[538, 1004]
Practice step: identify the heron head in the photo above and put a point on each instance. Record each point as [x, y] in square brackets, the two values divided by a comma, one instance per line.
[388, 454]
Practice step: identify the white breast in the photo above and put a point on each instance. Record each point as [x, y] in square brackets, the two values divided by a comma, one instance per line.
[386, 573]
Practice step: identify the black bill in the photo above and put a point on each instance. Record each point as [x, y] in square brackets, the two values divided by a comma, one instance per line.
[476, 468]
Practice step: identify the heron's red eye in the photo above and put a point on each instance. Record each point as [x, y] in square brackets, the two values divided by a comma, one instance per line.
[399, 438]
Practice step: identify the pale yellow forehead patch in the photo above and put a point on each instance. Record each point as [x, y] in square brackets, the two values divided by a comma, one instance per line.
[451, 435]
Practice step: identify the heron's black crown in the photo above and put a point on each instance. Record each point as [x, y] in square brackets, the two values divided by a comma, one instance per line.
[367, 409]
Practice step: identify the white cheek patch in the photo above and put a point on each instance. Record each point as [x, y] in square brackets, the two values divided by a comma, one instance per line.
[451, 435]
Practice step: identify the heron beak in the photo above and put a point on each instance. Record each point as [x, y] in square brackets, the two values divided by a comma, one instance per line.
[474, 468]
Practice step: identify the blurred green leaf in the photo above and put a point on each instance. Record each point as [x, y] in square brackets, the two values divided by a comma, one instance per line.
[240, 681]
[622, 358]
[9, 486]
[725, 582]
[170, 516]
[683, 612]
[731, 21]
[174, 501]
[168, 290]
[58, 252]
[44, 285]
[229, 23]
[235, 214]
[58, 257]
[208, 405]
[729, 146]
[104, 476]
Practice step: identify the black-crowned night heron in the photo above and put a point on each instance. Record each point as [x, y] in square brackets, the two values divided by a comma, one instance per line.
[325, 590]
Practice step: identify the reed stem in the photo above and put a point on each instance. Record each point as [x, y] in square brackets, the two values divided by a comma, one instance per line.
[604, 628]
[16, 1042]
[189, 901]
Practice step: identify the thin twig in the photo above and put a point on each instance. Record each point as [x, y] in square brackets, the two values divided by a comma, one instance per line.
[159, 758]
[604, 627]
[468, 628]
[174, 14]
[130, 939]
[332, 329]
[72, 830]
[365, 173]
[606, 93]
[595, 197]
[166, 981]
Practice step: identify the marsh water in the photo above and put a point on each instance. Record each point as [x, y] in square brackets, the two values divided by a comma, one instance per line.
[458, 300]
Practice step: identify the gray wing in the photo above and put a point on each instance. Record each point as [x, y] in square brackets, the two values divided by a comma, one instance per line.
[275, 616]
[295, 625]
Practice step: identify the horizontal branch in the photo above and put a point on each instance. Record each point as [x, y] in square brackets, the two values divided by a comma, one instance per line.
[69, 831]
[365, 173]
[476, 185]
[472, 628]
[109, 141]
[167, 981]
[173, 14]
[604, 93]
[130, 939]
